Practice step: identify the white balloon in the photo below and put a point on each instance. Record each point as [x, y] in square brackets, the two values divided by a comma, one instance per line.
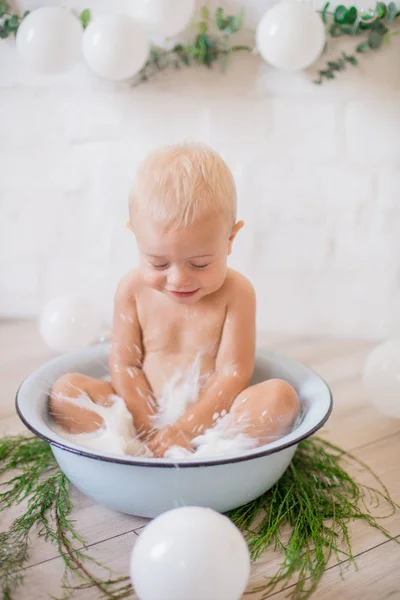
[290, 36]
[190, 552]
[381, 378]
[115, 46]
[69, 322]
[49, 39]
[163, 17]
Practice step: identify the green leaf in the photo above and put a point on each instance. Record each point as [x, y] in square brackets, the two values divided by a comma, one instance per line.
[350, 59]
[335, 30]
[229, 27]
[4, 34]
[10, 25]
[13, 21]
[203, 27]
[380, 10]
[323, 14]
[4, 7]
[379, 27]
[363, 47]
[219, 19]
[185, 59]
[341, 14]
[352, 15]
[237, 22]
[205, 13]
[85, 17]
[230, 24]
[375, 40]
[368, 16]
[392, 12]
[155, 56]
[346, 29]
[191, 50]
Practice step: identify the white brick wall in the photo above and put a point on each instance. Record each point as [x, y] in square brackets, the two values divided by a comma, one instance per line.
[317, 169]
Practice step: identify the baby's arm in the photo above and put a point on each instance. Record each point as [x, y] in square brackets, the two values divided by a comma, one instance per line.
[233, 371]
[127, 376]
[234, 363]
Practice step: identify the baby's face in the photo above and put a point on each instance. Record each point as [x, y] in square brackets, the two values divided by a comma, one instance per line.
[186, 264]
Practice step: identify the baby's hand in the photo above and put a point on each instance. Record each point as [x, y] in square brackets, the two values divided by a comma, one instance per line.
[169, 436]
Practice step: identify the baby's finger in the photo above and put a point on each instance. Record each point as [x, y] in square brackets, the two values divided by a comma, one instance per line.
[153, 445]
[159, 451]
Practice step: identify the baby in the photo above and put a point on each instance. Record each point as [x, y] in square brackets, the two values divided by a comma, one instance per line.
[182, 305]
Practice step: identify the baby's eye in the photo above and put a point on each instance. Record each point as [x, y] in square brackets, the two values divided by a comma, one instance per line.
[160, 267]
[200, 266]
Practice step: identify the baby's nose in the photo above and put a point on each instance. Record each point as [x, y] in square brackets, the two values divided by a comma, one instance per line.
[178, 277]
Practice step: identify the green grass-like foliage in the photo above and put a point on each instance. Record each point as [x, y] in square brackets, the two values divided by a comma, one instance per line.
[305, 517]
[34, 477]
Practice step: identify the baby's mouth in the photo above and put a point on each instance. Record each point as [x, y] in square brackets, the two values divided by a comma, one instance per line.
[184, 294]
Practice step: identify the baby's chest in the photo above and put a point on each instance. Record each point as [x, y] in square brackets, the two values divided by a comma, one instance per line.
[185, 329]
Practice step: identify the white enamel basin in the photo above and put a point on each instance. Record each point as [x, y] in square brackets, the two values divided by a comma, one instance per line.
[146, 486]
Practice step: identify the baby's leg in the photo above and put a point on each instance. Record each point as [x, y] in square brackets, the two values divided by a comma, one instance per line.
[74, 418]
[266, 411]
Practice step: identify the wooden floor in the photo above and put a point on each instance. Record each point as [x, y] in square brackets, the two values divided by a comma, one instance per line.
[354, 425]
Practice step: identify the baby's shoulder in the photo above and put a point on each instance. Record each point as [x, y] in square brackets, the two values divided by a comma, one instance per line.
[238, 285]
[129, 286]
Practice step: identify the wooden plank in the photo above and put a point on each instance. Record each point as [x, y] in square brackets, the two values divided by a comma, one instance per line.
[354, 422]
[43, 581]
[377, 578]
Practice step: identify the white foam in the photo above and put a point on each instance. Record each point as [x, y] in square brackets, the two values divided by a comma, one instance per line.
[118, 435]
[179, 392]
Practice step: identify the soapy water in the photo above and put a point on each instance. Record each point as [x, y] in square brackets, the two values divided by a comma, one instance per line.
[118, 435]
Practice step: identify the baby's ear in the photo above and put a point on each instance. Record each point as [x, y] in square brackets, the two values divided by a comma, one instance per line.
[235, 230]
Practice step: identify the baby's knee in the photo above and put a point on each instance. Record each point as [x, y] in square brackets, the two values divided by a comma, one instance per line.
[285, 395]
[68, 382]
[73, 418]
[67, 386]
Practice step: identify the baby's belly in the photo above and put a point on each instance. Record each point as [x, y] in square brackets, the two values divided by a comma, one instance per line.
[163, 367]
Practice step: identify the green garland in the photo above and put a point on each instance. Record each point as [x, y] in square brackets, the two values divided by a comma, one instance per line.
[372, 27]
[316, 500]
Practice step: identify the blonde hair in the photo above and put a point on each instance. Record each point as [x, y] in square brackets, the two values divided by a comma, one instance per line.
[177, 185]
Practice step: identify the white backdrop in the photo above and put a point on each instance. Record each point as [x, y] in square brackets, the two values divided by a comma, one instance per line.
[317, 170]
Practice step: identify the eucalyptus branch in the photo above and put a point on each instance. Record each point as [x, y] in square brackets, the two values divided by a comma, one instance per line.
[374, 25]
[10, 21]
[206, 49]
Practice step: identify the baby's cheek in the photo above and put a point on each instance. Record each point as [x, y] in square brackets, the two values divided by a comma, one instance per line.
[153, 279]
[215, 277]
